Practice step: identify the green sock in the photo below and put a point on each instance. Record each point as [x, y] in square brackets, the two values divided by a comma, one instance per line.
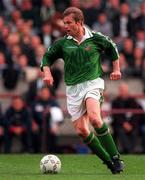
[94, 144]
[106, 140]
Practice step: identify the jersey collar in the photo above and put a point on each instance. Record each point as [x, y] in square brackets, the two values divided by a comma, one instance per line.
[88, 34]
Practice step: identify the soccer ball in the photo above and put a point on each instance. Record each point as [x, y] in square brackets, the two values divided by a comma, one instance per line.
[50, 164]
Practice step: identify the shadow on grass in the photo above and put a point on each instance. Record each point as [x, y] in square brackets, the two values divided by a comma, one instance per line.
[61, 174]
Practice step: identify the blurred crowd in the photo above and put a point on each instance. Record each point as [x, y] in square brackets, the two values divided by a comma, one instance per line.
[34, 126]
[28, 28]
[125, 114]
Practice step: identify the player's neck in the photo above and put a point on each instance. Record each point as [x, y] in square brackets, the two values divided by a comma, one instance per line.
[80, 34]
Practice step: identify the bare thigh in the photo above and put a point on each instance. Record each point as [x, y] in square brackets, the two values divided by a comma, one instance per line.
[94, 112]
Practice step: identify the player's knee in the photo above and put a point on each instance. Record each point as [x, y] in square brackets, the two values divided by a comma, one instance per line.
[82, 131]
[92, 115]
[97, 123]
[95, 120]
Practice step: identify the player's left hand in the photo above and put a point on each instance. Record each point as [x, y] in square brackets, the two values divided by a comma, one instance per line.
[115, 75]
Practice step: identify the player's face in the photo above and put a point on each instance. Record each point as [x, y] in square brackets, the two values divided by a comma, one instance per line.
[71, 26]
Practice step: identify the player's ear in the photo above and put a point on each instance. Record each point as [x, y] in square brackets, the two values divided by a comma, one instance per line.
[79, 23]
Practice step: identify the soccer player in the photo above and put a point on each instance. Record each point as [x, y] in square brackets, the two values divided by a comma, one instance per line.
[81, 51]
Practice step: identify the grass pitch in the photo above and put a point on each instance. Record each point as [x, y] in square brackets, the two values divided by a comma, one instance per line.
[74, 167]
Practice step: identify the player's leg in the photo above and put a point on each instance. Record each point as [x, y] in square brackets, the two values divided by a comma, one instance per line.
[103, 134]
[81, 126]
[76, 106]
[93, 111]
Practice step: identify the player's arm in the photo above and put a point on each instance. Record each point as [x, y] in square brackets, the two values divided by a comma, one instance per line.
[116, 74]
[111, 51]
[50, 56]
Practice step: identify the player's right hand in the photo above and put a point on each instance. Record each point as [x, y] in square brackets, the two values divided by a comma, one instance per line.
[115, 75]
[48, 80]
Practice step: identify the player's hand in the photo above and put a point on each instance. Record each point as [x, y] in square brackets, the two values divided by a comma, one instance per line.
[48, 80]
[115, 75]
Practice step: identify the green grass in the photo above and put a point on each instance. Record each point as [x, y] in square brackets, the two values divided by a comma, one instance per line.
[74, 167]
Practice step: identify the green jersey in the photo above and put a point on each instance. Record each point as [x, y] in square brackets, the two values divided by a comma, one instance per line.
[82, 62]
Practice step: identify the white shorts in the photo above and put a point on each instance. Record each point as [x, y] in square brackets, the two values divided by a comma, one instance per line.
[77, 94]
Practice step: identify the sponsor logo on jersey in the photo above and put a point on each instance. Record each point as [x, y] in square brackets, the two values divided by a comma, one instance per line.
[87, 48]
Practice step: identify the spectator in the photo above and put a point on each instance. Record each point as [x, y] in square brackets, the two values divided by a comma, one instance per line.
[30, 48]
[57, 26]
[35, 42]
[10, 71]
[10, 76]
[4, 33]
[18, 26]
[140, 39]
[125, 125]
[2, 8]
[33, 88]
[18, 124]
[30, 13]
[8, 7]
[127, 50]
[2, 24]
[112, 8]
[75, 3]
[124, 67]
[27, 73]
[16, 51]
[122, 23]
[103, 25]
[27, 29]
[39, 53]
[47, 10]
[138, 64]
[140, 20]
[12, 40]
[91, 10]
[46, 34]
[46, 118]
[60, 5]
[15, 17]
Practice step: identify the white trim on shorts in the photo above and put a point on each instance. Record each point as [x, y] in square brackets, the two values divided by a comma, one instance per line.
[77, 95]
